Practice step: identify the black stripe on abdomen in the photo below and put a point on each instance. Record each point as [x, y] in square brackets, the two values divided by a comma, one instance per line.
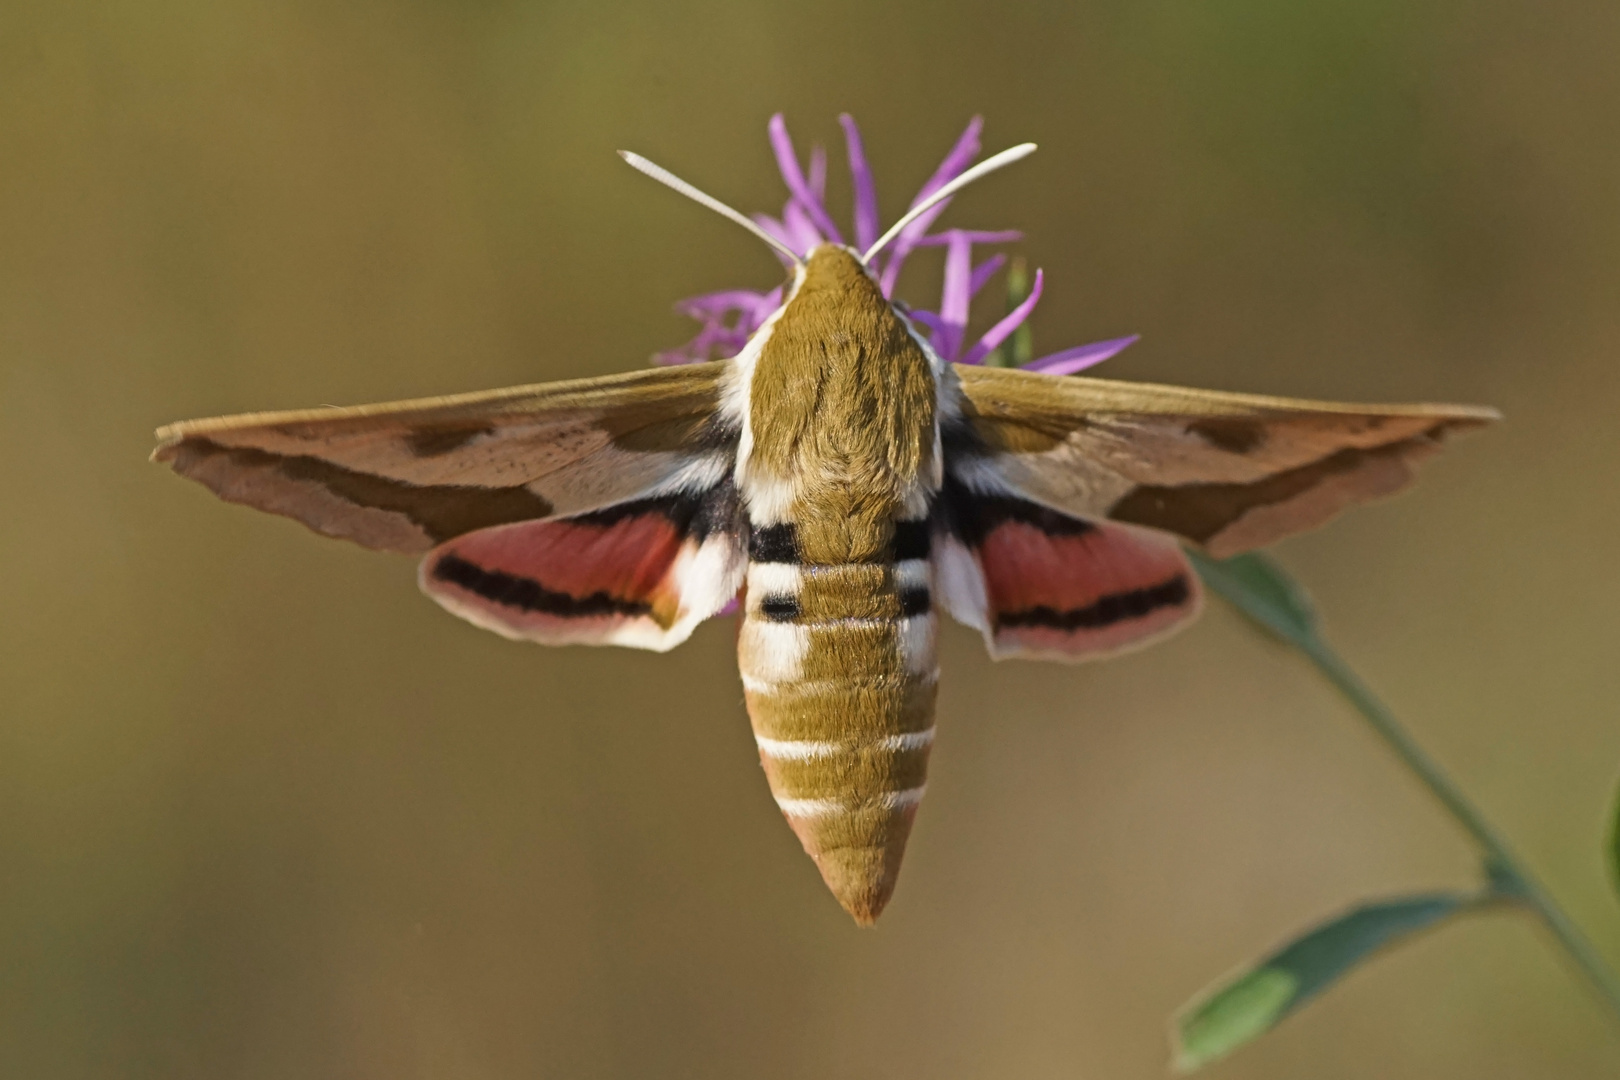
[780, 543]
[915, 600]
[774, 543]
[779, 607]
[911, 539]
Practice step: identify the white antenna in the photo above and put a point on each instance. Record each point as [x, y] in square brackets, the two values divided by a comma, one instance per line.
[983, 168]
[664, 176]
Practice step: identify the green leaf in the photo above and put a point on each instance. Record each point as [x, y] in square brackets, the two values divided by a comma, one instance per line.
[1503, 881]
[1251, 1002]
[1020, 349]
[1263, 591]
[1614, 842]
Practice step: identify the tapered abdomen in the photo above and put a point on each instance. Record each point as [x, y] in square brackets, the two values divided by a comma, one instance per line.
[839, 673]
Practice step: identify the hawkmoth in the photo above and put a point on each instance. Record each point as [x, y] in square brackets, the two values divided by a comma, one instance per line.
[846, 484]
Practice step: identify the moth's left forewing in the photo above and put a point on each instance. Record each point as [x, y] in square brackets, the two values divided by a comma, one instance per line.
[1227, 471]
[409, 475]
[598, 511]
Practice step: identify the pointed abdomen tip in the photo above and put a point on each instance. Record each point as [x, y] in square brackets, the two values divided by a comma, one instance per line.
[861, 878]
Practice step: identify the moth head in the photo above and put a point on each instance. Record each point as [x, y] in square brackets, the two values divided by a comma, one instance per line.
[834, 266]
[983, 168]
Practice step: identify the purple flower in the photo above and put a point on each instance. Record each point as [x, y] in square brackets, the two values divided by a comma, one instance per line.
[729, 318]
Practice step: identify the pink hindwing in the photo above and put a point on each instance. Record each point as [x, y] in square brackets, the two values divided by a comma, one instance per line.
[642, 574]
[1045, 585]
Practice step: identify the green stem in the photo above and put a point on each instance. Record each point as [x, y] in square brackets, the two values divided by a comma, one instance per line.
[1501, 860]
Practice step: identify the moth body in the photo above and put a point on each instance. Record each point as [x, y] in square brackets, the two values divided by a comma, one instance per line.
[847, 485]
[838, 467]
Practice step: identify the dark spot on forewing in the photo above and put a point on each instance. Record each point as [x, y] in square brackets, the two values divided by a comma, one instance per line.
[437, 441]
[526, 594]
[1233, 434]
[1105, 612]
[1201, 511]
[442, 511]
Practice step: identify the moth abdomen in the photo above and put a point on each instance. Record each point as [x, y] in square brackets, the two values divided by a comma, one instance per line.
[839, 673]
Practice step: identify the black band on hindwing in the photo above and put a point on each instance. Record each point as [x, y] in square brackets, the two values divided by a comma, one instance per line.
[970, 516]
[1105, 612]
[695, 516]
[526, 594]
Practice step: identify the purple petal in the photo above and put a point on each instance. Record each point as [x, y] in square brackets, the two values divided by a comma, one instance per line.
[818, 173]
[866, 208]
[959, 158]
[931, 323]
[1081, 357]
[899, 250]
[713, 341]
[718, 303]
[776, 229]
[953, 304]
[731, 608]
[984, 272]
[911, 237]
[928, 318]
[694, 351]
[978, 236]
[787, 162]
[762, 310]
[891, 268]
[1003, 329]
[771, 225]
[802, 233]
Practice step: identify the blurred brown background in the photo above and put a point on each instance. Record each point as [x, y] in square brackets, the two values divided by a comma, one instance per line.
[267, 813]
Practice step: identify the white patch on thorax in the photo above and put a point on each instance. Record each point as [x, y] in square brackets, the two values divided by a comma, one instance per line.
[947, 396]
[770, 501]
[699, 473]
[982, 476]
[737, 388]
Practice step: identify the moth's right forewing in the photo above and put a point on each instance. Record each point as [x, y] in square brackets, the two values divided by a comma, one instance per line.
[406, 476]
[1227, 471]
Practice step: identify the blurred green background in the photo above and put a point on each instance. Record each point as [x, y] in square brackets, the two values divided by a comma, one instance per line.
[267, 813]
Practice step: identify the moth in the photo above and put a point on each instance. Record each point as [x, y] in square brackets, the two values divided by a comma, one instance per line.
[845, 485]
